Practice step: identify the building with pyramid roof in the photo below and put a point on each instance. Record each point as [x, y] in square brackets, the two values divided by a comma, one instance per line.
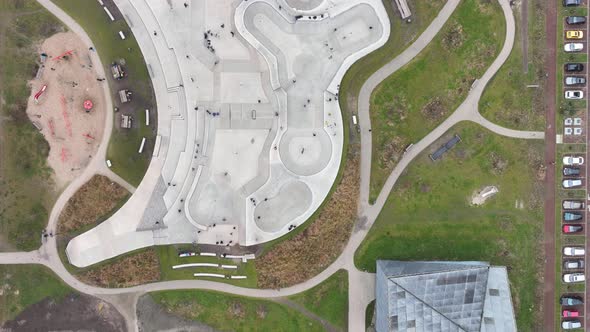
[442, 296]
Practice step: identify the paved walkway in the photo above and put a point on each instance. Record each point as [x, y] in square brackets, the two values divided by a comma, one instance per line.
[361, 284]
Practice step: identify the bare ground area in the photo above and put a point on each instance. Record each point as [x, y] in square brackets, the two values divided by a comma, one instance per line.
[76, 312]
[320, 243]
[72, 133]
[135, 269]
[93, 201]
[152, 317]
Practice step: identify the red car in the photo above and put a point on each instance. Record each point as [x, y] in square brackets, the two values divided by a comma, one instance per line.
[572, 228]
[570, 313]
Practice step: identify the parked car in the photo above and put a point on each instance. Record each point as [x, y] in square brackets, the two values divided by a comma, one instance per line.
[573, 47]
[571, 324]
[573, 277]
[575, 19]
[574, 80]
[574, 251]
[572, 183]
[570, 171]
[574, 34]
[576, 67]
[572, 216]
[573, 205]
[570, 301]
[573, 160]
[568, 229]
[571, 3]
[574, 94]
[570, 313]
[573, 264]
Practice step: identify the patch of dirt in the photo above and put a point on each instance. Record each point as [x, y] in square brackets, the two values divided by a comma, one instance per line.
[76, 312]
[261, 311]
[152, 317]
[499, 164]
[72, 133]
[95, 199]
[391, 152]
[309, 252]
[136, 269]
[454, 37]
[236, 309]
[434, 110]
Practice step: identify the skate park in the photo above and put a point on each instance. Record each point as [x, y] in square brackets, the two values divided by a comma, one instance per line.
[250, 132]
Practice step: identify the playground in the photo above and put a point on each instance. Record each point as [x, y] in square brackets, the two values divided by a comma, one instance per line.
[66, 105]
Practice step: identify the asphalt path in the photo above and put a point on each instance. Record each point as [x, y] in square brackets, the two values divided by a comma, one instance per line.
[361, 284]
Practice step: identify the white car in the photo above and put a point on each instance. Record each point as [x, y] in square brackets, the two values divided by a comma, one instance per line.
[574, 251]
[574, 94]
[573, 277]
[573, 47]
[571, 324]
[572, 183]
[573, 160]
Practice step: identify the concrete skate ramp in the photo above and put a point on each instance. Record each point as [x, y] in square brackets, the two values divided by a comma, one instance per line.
[304, 4]
[214, 203]
[290, 201]
[305, 151]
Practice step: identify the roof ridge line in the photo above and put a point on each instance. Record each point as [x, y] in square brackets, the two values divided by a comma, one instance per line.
[431, 307]
[425, 273]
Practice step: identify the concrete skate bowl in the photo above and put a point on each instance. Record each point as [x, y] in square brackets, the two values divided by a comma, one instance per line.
[213, 204]
[274, 212]
[305, 151]
[304, 4]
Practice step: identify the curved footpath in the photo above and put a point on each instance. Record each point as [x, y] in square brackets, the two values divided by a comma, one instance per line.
[361, 284]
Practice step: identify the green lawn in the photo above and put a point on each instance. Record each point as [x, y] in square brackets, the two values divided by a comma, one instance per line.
[24, 285]
[26, 189]
[124, 143]
[506, 100]
[428, 215]
[418, 97]
[328, 300]
[226, 312]
[169, 257]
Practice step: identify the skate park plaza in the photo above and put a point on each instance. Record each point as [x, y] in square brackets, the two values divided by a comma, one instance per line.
[250, 132]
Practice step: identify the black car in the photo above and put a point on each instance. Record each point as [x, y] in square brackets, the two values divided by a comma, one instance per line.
[576, 20]
[569, 171]
[574, 67]
[570, 300]
[571, 3]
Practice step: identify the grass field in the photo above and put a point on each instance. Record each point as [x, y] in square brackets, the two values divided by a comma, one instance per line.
[506, 100]
[26, 188]
[410, 103]
[168, 256]
[24, 285]
[428, 215]
[124, 143]
[328, 300]
[226, 312]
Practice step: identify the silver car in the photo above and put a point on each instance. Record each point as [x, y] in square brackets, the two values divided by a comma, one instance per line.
[574, 80]
[572, 183]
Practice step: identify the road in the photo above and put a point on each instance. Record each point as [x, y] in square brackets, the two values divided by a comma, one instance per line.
[361, 284]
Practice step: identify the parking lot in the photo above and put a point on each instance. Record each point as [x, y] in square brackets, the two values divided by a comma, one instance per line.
[572, 173]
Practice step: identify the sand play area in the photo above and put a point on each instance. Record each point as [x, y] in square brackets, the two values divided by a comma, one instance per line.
[59, 112]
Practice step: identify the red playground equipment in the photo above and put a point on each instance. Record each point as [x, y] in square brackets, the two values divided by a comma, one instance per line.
[39, 93]
[88, 105]
[66, 53]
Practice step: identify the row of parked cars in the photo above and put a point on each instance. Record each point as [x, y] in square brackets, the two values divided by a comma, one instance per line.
[573, 210]
[574, 47]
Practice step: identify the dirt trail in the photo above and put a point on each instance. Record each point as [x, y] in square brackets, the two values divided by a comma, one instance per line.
[73, 134]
